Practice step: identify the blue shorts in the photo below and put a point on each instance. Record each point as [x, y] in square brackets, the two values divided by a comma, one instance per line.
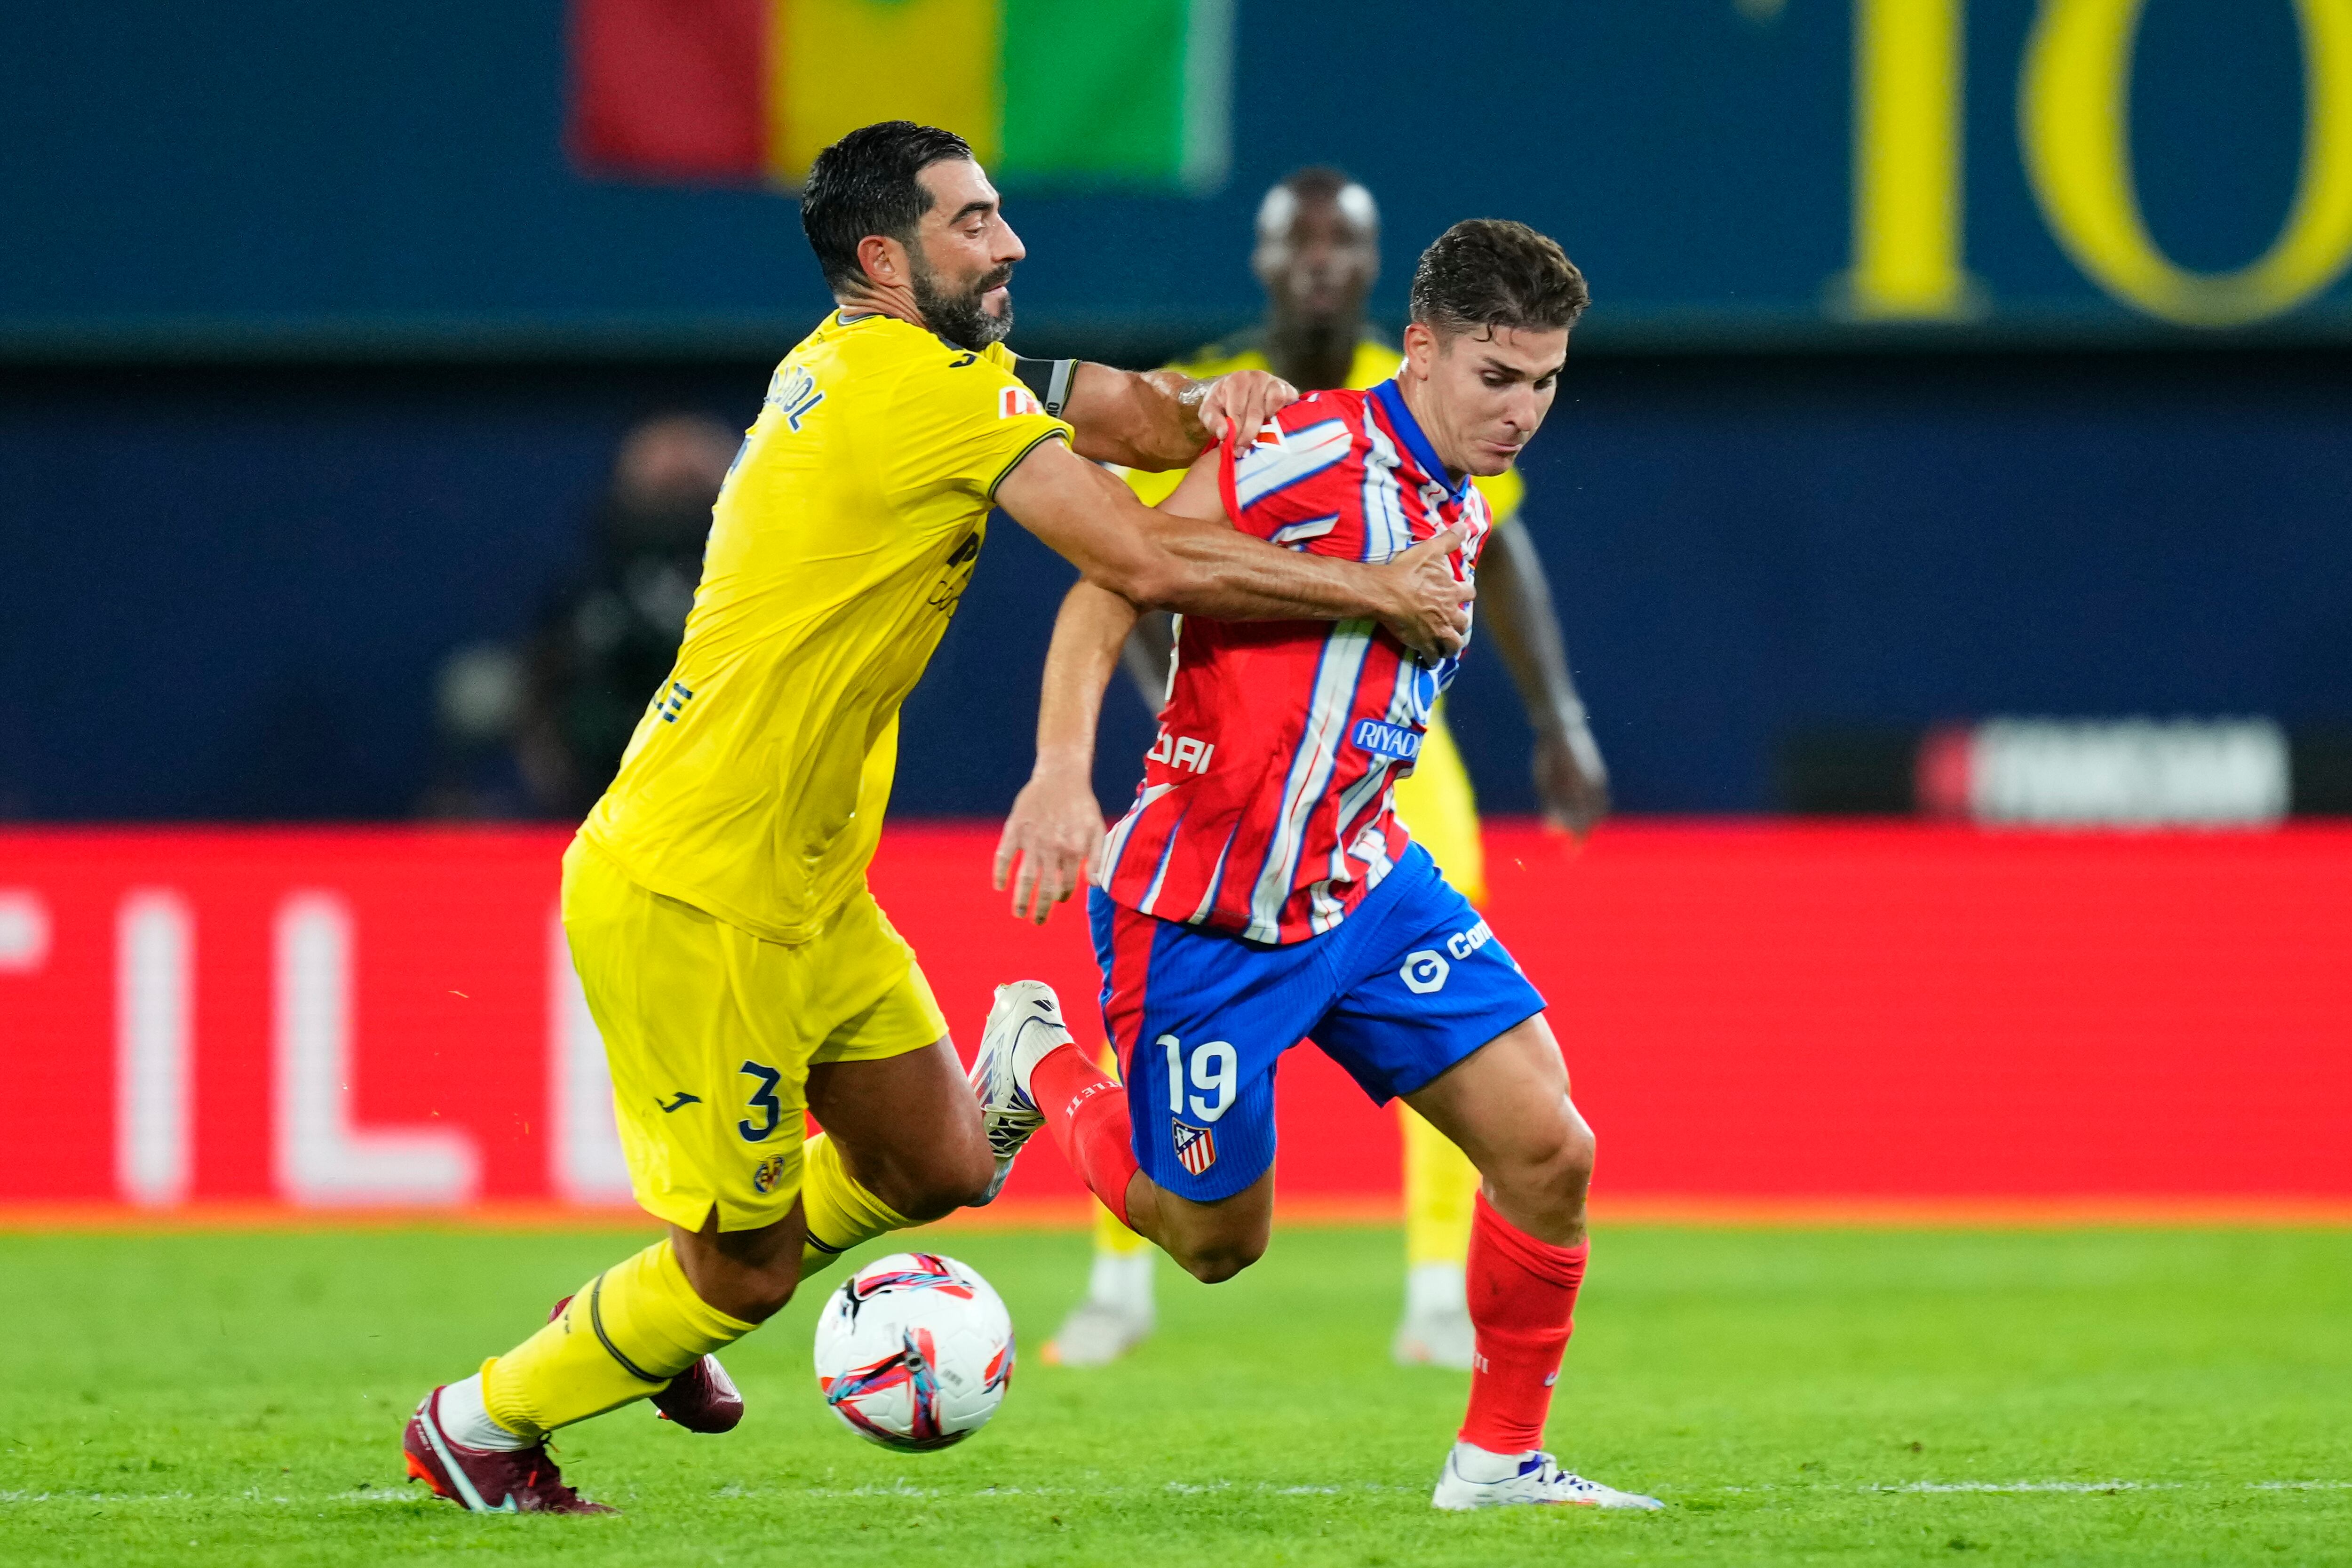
[1407, 985]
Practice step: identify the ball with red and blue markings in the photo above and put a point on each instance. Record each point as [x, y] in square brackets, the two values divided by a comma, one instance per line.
[914, 1351]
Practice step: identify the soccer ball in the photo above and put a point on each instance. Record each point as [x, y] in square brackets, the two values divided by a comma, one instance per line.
[914, 1351]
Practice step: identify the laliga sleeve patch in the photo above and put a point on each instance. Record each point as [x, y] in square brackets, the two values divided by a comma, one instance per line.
[1013, 402]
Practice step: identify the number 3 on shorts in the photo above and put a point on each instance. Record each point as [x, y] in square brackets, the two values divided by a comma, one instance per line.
[1215, 1066]
[763, 1099]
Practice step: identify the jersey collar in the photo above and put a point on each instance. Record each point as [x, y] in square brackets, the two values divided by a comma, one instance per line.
[1390, 397]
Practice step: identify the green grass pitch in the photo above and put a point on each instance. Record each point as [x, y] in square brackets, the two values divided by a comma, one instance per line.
[1856, 1396]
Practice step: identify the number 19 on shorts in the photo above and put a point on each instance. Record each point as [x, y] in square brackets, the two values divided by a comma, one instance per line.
[1215, 1072]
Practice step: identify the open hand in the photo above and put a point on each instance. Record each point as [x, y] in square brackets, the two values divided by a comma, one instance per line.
[1238, 403]
[1053, 833]
[1430, 610]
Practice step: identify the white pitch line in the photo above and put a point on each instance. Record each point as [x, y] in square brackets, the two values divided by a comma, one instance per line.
[1189, 1488]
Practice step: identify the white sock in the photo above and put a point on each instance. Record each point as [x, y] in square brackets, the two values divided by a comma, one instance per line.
[464, 1419]
[1473, 1463]
[1122, 1281]
[1435, 1290]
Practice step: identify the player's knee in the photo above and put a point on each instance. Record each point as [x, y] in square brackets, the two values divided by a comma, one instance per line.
[765, 1299]
[1567, 1170]
[1550, 1175]
[1213, 1257]
[951, 1180]
[1573, 1160]
[752, 1294]
[1215, 1262]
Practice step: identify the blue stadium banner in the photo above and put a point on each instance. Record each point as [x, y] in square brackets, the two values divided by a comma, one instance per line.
[254, 176]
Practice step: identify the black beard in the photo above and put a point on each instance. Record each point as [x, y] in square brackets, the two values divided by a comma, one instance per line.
[960, 318]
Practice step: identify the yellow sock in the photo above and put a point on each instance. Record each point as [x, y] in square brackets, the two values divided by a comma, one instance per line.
[1114, 1237]
[841, 1213]
[622, 1336]
[1440, 1186]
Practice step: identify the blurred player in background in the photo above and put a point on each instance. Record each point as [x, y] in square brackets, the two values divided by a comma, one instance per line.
[1262, 888]
[1318, 257]
[715, 901]
[611, 631]
[539, 731]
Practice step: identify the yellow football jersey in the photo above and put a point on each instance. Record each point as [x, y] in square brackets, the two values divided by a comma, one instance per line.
[1375, 362]
[754, 786]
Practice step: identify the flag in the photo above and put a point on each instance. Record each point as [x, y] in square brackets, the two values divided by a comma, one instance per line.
[1072, 92]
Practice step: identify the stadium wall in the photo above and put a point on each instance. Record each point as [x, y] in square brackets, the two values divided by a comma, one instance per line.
[347, 1019]
[260, 178]
[229, 590]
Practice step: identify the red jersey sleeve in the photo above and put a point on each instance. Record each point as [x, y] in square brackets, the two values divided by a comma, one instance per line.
[1294, 473]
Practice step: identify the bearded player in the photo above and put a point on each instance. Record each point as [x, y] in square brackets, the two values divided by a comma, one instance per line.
[715, 900]
[1317, 256]
[1262, 887]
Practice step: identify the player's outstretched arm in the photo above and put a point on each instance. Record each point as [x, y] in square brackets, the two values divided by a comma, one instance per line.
[1160, 419]
[1055, 824]
[1163, 559]
[1570, 778]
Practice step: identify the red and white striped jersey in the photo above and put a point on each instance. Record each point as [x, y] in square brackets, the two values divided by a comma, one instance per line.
[1264, 807]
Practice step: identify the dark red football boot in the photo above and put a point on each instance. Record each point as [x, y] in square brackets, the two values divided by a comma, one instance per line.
[480, 1480]
[702, 1398]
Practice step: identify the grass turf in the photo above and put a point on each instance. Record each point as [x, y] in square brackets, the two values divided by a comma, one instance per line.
[1864, 1396]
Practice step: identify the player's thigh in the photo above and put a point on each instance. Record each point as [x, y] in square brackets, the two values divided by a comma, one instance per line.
[1507, 1105]
[1427, 985]
[885, 1083]
[702, 1027]
[909, 1127]
[1200, 1022]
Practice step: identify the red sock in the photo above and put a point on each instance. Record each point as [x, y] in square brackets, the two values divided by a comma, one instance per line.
[1087, 1113]
[1523, 1306]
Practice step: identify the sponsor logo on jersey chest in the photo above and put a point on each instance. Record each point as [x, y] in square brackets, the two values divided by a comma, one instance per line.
[1184, 752]
[1386, 740]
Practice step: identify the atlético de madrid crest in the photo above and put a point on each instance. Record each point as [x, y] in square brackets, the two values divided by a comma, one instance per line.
[1196, 1147]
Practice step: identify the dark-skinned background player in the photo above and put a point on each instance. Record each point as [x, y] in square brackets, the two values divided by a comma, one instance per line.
[1317, 255]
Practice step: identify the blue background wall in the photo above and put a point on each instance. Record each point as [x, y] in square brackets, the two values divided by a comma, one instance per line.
[227, 592]
[264, 175]
[231, 567]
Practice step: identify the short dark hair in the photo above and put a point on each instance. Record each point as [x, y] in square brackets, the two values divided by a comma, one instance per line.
[864, 183]
[1318, 181]
[1492, 273]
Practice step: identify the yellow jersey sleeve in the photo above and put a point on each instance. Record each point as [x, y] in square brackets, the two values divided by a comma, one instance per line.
[961, 421]
[1151, 488]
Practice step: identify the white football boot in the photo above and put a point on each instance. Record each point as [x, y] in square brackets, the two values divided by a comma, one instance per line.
[1529, 1477]
[1435, 1331]
[1024, 1024]
[1118, 1315]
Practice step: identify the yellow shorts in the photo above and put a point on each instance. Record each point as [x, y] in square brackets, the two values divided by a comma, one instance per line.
[1440, 811]
[711, 1032]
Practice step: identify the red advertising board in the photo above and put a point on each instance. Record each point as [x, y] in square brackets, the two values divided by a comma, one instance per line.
[349, 1018]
